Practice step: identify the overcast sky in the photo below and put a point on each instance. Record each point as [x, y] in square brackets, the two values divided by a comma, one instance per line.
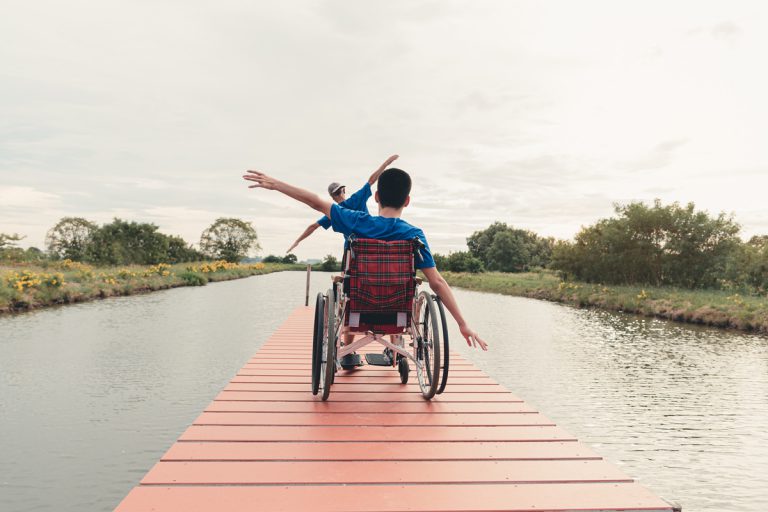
[538, 114]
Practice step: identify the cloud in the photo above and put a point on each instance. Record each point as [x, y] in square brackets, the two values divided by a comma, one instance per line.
[499, 110]
[659, 157]
[26, 198]
[726, 30]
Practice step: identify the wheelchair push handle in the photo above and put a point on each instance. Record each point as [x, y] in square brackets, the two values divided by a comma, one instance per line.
[418, 245]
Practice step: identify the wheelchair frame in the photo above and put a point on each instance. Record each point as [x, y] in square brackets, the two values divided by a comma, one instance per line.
[427, 332]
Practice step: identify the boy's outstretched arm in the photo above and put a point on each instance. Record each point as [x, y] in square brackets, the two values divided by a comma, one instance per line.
[381, 169]
[310, 229]
[440, 286]
[311, 199]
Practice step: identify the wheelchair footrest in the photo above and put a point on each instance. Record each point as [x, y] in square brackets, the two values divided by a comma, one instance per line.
[378, 360]
[350, 361]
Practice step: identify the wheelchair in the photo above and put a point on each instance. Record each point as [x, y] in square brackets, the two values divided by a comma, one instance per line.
[377, 296]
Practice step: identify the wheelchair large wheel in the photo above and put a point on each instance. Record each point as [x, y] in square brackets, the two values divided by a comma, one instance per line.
[317, 341]
[445, 348]
[427, 345]
[328, 366]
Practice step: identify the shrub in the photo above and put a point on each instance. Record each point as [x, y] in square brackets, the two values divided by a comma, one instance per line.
[193, 278]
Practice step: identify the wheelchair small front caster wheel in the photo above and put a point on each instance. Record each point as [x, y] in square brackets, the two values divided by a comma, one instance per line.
[402, 368]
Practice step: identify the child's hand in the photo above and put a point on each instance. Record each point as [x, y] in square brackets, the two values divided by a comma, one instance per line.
[389, 161]
[261, 180]
[473, 340]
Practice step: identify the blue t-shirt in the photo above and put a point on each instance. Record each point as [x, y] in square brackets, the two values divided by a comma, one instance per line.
[356, 201]
[365, 225]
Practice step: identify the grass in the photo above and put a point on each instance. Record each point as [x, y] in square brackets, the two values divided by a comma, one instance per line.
[706, 307]
[26, 287]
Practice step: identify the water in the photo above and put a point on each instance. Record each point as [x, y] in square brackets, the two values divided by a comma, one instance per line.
[681, 409]
[92, 395]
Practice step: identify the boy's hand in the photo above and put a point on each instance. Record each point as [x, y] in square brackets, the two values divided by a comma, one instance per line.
[261, 180]
[291, 248]
[389, 161]
[473, 340]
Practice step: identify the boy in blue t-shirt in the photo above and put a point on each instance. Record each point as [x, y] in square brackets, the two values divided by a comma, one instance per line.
[357, 201]
[392, 196]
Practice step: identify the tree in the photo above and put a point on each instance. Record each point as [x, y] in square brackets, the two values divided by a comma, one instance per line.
[7, 241]
[127, 243]
[659, 245]
[747, 265]
[289, 258]
[461, 261]
[508, 253]
[180, 251]
[330, 264]
[480, 241]
[229, 239]
[69, 238]
[506, 249]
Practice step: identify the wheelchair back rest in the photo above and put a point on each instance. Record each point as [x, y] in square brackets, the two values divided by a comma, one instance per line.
[380, 281]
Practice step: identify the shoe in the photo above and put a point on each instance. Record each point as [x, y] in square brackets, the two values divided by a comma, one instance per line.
[350, 361]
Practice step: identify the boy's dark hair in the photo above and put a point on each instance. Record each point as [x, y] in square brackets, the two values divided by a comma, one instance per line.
[394, 187]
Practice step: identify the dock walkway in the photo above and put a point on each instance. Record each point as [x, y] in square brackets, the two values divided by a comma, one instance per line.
[265, 443]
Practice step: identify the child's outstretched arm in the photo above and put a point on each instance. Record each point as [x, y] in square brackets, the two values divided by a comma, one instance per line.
[310, 229]
[440, 286]
[311, 199]
[381, 169]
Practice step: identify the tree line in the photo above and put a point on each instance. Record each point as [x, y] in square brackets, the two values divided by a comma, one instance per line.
[661, 245]
[122, 242]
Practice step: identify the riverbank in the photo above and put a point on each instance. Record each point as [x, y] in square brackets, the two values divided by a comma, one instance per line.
[27, 287]
[706, 307]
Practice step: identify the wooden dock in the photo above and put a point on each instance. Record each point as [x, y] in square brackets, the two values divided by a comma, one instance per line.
[265, 443]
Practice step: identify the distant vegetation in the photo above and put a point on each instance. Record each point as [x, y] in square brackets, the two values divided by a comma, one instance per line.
[132, 243]
[83, 261]
[67, 281]
[643, 259]
[644, 245]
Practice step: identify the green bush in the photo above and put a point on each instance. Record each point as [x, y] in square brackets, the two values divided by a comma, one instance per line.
[660, 245]
[193, 278]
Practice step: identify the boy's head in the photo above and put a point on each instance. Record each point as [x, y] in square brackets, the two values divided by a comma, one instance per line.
[394, 188]
[337, 191]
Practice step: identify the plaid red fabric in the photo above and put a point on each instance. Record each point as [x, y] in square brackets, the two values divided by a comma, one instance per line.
[381, 276]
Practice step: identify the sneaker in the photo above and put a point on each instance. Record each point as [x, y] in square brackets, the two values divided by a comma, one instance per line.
[350, 361]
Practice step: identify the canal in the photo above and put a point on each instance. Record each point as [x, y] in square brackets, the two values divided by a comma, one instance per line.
[92, 395]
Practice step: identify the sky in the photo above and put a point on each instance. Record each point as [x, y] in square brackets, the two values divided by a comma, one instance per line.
[539, 114]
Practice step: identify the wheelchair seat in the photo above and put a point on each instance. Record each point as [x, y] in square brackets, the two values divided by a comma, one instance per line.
[380, 281]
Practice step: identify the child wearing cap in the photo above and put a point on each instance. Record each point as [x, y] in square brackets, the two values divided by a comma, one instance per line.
[392, 196]
[356, 201]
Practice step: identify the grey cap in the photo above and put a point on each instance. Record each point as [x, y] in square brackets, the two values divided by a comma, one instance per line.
[334, 187]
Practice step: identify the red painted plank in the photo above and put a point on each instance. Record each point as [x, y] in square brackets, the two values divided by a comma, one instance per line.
[390, 434]
[368, 372]
[384, 472]
[376, 419]
[446, 451]
[391, 378]
[416, 407]
[343, 387]
[395, 498]
[305, 396]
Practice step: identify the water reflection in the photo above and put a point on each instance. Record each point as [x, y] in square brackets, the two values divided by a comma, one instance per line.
[681, 408]
[92, 395]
